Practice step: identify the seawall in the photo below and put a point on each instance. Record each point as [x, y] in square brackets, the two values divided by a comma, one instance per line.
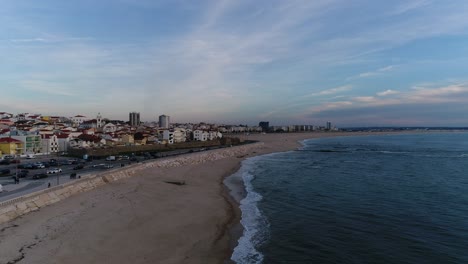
[19, 206]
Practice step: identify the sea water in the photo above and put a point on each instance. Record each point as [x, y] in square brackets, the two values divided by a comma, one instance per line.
[367, 199]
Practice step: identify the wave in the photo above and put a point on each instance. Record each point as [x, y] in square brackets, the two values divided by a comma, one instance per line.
[253, 221]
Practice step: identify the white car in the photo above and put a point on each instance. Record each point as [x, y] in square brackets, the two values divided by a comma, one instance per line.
[54, 170]
[39, 165]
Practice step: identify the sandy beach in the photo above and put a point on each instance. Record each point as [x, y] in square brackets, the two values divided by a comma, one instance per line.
[142, 219]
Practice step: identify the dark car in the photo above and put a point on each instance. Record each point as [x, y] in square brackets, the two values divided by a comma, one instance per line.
[25, 166]
[5, 172]
[23, 173]
[4, 162]
[15, 161]
[78, 167]
[40, 176]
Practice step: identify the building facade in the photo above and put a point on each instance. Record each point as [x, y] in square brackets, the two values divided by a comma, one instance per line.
[134, 119]
[164, 121]
[31, 143]
[11, 146]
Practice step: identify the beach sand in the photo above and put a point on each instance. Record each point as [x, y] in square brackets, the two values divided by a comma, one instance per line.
[142, 219]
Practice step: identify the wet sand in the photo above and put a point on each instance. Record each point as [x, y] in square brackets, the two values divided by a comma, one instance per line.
[142, 219]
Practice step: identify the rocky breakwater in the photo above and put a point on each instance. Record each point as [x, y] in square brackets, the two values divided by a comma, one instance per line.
[19, 206]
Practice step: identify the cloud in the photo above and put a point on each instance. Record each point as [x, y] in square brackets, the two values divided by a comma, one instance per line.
[336, 90]
[409, 6]
[364, 99]
[456, 94]
[376, 72]
[387, 92]
[244, 58]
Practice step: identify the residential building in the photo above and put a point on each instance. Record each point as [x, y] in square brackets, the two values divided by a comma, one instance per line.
[180, 135]
[164, 121]
[64, 141]
[11, 146]
[50, 144]
[78, 119]
[168, 136]
[31, 143]
[109, 128]
[134, 119]
[200, 135]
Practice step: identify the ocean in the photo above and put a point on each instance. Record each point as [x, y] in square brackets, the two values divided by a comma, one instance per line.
[361, 199]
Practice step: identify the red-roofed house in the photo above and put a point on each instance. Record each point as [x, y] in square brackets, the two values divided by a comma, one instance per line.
[7, 122]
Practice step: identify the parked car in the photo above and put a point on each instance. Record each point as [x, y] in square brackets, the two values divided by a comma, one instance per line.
[38, 165]
[99, 165]
[40, 176]
[4, 162]
[78, 167]
[30, 156]
[27, 166]
[54, 170]
[23, 173]
[15, 161]
[5, 172]
[110, 158]
[108, 166]
[8, 157]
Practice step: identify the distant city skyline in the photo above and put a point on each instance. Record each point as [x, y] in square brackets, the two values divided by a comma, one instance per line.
[353, 63]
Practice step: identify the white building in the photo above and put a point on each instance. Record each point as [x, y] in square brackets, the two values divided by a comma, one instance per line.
[168, 136]
[200, 135]
[214, 135]
[50, 144]
[64, 142]
[78, 119]
[109, 128]
[180, 135]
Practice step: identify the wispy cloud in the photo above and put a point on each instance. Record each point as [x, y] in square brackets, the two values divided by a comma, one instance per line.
[457, 93]
[379, 71]
[248, 59]
[409, 6]
[387, 92]
[336, 90]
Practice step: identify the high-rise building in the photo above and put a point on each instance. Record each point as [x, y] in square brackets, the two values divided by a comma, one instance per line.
[328, 125]
[264, 125]
[134, 119]
[164, 121]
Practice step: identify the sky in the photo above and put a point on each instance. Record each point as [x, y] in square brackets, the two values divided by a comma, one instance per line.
[353, 63]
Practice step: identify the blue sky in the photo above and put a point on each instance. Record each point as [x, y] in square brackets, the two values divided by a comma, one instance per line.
[354, 63]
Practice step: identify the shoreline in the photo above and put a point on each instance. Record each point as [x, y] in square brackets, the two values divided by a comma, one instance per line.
[164, 223]
[236, 230]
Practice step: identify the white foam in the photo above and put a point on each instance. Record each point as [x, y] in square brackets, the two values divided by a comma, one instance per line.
[255, 224]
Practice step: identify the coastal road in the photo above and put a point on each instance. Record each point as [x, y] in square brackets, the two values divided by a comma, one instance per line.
[64, 176]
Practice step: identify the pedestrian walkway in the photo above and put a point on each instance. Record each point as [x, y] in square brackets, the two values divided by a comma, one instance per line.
[10, 186]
